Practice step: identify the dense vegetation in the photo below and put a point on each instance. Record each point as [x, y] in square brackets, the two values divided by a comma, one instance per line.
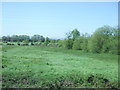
[79, 60]
[103, 40]
[40, 66]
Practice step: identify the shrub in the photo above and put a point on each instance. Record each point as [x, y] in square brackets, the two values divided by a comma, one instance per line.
[25, 43]
[68, 43]
[18, 43]
[32, 43]
[43, 44]
[77, 44]
[37, 43]
[60, 43]
[10, 43]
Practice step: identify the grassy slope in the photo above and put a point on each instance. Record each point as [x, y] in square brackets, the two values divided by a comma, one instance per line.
[35, 66]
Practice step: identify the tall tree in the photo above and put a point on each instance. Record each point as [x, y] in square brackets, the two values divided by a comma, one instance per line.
[100, 40]
[47, 40]
[73, 34]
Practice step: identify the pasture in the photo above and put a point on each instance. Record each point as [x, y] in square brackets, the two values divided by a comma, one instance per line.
[38, 66]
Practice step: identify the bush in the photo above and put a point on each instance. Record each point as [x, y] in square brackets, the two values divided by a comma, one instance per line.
[60, 43]
[18, 43]
[32, 43]
[80, 43]
[9, 43]
[37, 43]
[77, 44]
[43, 44]
[25, 43]
[104, 40]
[68, 43]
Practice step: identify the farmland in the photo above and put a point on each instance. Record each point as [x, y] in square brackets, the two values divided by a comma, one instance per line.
[40, 66]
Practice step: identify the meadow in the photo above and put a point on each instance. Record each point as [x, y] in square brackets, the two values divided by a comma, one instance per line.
[46, 67]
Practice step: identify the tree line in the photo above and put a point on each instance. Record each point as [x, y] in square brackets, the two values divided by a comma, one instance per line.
[27, 40]
[103, 40]
[21, 38]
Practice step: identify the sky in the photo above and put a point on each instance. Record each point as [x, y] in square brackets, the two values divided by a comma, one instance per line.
[54, 19]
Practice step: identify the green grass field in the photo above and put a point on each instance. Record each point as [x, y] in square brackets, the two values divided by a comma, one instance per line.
[36, 66]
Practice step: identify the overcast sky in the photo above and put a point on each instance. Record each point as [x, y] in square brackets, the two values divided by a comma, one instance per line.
[54, 19]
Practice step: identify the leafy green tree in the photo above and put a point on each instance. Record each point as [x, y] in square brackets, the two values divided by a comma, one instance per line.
[81, 42]
[42, 39]
[84, 45]
[99, 40]
[35, 38]
[113, 43]
[68, 35]
[68, 43]
[22, 38]
[47, 41]
[73, 34]
[78, 43]
[60, 43]
[52, 41]
[6, 38]
[14, 38]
